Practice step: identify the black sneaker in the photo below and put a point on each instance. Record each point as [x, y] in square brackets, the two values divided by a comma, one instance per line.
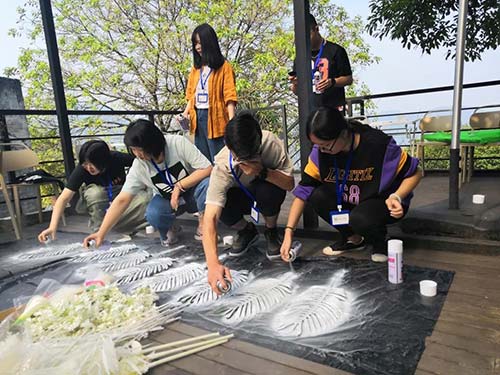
[244, 239]
[273, 244]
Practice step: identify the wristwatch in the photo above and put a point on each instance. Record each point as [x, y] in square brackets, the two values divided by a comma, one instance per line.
[263, 173]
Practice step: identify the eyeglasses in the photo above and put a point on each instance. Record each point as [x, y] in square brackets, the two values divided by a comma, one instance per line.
[329, 148]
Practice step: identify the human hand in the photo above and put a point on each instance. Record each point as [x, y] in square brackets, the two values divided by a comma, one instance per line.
[292, 80]
[44, 236]
[174, 198]
[218, 273]
[285, 247]
[117, 181]
[394, 206]
[325, 84]
[96, 237]
[251, 167]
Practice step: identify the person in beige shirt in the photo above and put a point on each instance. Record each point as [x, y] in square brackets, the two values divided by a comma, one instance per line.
[251, 175]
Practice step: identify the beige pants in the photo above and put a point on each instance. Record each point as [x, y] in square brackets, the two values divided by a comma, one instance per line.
[94, 201]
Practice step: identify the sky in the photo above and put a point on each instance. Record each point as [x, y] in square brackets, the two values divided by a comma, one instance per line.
[399, 69]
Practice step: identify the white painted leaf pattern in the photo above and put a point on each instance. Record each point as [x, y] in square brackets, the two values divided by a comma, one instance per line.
[256, 298]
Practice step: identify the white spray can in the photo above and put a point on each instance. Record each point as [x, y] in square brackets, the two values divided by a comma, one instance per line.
[395, 261]
[294, 251]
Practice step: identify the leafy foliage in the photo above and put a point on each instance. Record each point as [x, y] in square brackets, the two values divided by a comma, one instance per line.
[433, 24]
[136, 54]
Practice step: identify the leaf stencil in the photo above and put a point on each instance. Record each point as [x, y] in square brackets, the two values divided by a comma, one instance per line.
[175, 278]
[100, 255]
[126, 261]
[49, 251]
[256, 298]
[318, 310]
[143, 270]
[202, 294]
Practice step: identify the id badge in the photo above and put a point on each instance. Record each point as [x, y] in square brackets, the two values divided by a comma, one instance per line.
[338, 218]
[254, 213]
[202, 97]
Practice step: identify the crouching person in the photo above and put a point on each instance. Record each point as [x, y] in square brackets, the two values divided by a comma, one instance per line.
[251, 175]
[173, 168]
[101, 172]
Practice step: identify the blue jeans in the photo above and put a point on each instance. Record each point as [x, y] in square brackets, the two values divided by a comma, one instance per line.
[160, 215]
[208, 147]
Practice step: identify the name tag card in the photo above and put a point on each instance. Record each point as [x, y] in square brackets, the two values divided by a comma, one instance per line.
[338, 218]
[202, 97]
[254, 213]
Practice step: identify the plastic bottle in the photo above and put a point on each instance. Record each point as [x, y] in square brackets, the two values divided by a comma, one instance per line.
[395, 261]
[316, 80]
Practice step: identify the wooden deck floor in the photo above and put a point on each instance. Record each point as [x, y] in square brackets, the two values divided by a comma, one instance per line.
[466, 338]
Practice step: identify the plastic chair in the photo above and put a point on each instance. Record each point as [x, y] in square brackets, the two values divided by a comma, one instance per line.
[17, 158]
[433, 124]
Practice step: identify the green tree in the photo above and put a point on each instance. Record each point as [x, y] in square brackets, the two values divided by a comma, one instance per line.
[433, 24]
[136, 54]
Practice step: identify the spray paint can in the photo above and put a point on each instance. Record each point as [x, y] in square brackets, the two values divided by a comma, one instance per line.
[315, 81]
[225, 290]
[395, 261]
[294, 251]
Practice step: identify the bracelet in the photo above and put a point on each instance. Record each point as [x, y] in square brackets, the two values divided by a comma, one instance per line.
[291, 228]
[395, 196]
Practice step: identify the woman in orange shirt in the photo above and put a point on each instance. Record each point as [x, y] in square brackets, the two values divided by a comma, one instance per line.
[210, 92]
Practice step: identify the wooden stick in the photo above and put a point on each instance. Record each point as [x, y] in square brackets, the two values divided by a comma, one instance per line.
[186, 347]
[185, 354]
[180, 342]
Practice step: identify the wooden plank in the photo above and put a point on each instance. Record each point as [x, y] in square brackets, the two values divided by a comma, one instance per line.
[265, 353]
[468, 344]
[440, 366]
[423, 372]
[486, 261]
[460, 357]
[234, 358]
[486, 335]
[167, 370]
[197, 365]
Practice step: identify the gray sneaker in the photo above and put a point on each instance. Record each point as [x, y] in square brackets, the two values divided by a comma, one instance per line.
[173, 236]
[273, 244]
[244, 239]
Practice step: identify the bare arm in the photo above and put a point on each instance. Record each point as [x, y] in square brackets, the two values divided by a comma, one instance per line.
[407, 186]
[231, 109]
[296, 210]
[343, 81]
[216, 271]
[115, 211]
[274, 176]
[57, 212]
[190, 181]
[280, 179]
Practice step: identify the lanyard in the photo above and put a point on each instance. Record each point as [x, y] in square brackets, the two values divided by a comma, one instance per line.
[242, 187]
[167, 179]
[203, 83]
[340, 188]
[110, 189]
[318, 58]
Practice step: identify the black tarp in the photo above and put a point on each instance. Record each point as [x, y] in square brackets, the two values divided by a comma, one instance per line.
[382, 330]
